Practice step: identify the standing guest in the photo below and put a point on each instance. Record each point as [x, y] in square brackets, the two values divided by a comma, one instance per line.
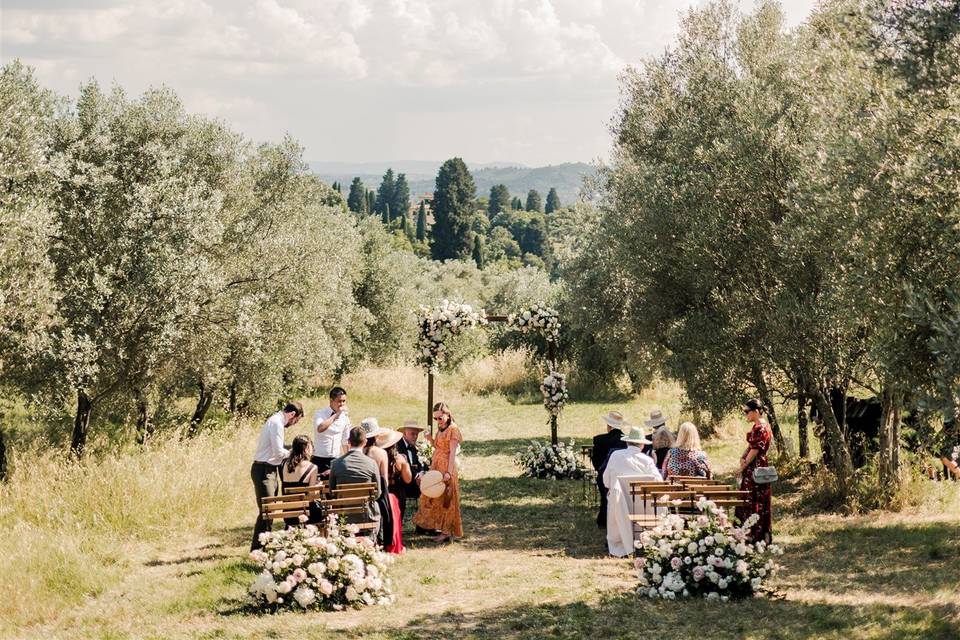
[400, 475]
[332, 424]
[603, 444]
[656, 422]
[662, 440]
[372, 428]
[443, 513]
[622, 466]
[354, 466]
[407, 448]
[267, 459]
[755, 455]
[298, 471]
[686, 458]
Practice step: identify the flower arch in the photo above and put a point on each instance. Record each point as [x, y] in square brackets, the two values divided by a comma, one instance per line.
[439, 324]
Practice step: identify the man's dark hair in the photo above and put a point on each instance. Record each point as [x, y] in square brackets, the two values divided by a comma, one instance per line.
[357, 436]
[336, 392]
[294, 407]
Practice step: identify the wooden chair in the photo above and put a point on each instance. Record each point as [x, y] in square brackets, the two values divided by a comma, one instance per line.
[313, 492]
[674, 498]
[728, 498]
[638, 489]
[348, 501]
[280, 507]
[353, 490]
[684, 480]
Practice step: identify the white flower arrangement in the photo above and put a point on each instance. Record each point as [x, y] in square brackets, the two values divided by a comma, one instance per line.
[438, 324]
[425, 452]
[303, 569]
[557, 462]
[537, 319]
[554, 389]
[707, 556]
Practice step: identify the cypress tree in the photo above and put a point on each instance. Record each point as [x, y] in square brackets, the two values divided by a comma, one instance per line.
[533, 201]
[371, 201]
[499, 199]
[478, 250]
[516, 204]
[453, 211]
[400, 203]
[553, 201]
[385, 216]
[422, 222]
[405, 224]
[357, 198]
[385, 193]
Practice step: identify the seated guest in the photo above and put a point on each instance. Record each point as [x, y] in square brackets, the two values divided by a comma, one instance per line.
[372, 428]
[686, 458]
[407, 449]
[662, 440]
[399, 475]
[354, 466]
[603, 444]
[267, 459]
[298, 471]
[331, 425]
[622, 466]
[656, 422]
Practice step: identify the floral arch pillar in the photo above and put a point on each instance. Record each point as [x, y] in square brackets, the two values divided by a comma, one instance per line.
[447, 320]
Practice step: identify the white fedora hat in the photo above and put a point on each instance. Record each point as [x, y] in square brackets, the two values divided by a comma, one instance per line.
[371, 426]
[657, 419]
[411, 424]
[432, 484]
[614, 419]
[636, 436]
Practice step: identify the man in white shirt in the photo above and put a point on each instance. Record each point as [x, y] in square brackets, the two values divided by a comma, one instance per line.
[331, 430]
[267, 459]
[622, 466]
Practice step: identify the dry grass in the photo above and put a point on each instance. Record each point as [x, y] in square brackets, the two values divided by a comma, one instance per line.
[152, 545]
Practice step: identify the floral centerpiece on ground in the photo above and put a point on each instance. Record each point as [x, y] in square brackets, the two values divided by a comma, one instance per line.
[303, 569]
[438, 324]
[554, 390]
[705, 555]
[558, 462]
[538, 318]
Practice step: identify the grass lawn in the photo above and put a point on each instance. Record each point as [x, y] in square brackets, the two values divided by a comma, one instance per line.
[532, 564]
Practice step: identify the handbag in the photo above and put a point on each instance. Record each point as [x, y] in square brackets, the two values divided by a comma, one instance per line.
[765, 475]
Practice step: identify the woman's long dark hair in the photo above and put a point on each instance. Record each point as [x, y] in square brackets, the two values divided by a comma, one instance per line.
[298, 452]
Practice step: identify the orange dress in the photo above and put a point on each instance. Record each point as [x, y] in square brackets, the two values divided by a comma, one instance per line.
[432, 514]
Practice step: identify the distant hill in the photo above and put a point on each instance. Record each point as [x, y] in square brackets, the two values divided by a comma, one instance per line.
[567, 178]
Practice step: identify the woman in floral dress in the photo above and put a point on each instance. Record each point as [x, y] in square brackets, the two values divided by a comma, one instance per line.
[686, 458]
[443, 514]
[758, 441]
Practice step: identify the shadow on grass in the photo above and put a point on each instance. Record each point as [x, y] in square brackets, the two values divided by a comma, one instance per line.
[510, 446]
[627, 616]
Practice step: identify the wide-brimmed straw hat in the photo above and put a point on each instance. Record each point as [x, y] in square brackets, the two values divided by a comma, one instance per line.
[411, 424]
[657, 419]
[387, 438]
[371, 426]
[614, 419]
[432, 484]
[636, 436]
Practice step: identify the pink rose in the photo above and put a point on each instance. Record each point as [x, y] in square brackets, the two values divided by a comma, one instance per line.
[676, 563]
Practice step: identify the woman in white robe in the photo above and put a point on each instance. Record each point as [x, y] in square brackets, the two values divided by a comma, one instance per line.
[623, 466]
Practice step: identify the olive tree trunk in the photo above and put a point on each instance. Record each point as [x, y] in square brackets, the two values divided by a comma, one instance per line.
[200, 412]
[890, 441]
[81, 423]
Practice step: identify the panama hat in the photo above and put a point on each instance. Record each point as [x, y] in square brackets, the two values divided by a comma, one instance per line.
[432, 484]
[387, 438]
[410, 424]
[371, 426]
[614, 419]
[657, 419]
[636, 436]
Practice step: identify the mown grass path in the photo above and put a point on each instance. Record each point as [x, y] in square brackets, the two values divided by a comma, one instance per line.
[534, 565]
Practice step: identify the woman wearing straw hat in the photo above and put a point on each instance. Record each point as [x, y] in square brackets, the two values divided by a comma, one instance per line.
[443, 513]
[399, 472]
[372, 428]
[603, 444]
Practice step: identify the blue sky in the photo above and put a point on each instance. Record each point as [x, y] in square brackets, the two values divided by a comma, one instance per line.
[530, 81]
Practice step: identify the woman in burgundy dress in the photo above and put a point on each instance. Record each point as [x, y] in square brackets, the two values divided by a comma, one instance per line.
[758, 441]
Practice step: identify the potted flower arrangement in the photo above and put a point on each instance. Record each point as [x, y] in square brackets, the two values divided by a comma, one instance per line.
[706, 555]
[557, 462]
[303, 569]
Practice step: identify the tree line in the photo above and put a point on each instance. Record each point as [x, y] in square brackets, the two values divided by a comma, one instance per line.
[782, 218]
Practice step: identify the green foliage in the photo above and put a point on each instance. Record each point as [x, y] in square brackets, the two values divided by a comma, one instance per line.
[478, 251]
[499, 199]
[357, 198]
[534, 203]
[453, 212]
[385, 193]
[422, 222]
[553, 201]
[400, 202]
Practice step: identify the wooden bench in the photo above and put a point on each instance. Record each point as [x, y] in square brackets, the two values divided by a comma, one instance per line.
[727, 498]
[283, 507]
[350, 500]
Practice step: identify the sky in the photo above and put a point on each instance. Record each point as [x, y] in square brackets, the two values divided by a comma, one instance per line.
[523, 81]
